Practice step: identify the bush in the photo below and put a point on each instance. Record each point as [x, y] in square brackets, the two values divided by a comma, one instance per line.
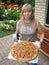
[0, 0]
[32, 2]
[21, 2]
[2, 9]
[12, 23]
[7, 1]
[12, 14]
[2, 26]
[9, 25]
[6, 27]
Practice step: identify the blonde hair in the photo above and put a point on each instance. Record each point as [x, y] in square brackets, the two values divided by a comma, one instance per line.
[29, 8]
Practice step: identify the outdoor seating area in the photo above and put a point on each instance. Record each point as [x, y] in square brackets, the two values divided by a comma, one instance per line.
[10, 13]
[5, 47]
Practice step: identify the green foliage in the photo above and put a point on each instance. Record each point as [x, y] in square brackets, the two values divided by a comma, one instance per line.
[9, 25]
[2, 9]
[12, 14]
[6, 27]
[32, 2]
[7, 1]
[13, 23]
[16, 14]
[5, 33]
[21, 2]
[0, 0]
[1, 27]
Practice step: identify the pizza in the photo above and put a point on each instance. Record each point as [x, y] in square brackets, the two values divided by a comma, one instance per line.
[24, 51]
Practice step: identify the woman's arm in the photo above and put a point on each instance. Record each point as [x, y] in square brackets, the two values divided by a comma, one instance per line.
[16, 34]
[41, 36]
[17, 28]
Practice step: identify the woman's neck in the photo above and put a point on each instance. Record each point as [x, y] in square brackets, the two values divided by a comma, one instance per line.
[27, 21]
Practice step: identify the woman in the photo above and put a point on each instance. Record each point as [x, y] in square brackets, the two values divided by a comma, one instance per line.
[27, 28]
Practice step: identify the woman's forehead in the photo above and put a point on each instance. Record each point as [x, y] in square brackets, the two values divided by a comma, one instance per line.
[27, 9]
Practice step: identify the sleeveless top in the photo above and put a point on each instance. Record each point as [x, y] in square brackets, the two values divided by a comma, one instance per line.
[27, 31]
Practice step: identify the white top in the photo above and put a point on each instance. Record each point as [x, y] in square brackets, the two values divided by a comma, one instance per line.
[27, 31]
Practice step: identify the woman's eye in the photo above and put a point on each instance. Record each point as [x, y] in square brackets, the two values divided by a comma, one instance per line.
[27, 12]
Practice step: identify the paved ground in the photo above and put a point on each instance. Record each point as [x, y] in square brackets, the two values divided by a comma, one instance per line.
[5, 46]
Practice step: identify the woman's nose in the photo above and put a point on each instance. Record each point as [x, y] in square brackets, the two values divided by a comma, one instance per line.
[25, 12]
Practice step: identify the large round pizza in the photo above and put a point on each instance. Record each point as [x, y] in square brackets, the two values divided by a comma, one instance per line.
[24, 51]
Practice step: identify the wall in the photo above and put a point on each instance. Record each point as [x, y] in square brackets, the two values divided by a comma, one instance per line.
[40, 10]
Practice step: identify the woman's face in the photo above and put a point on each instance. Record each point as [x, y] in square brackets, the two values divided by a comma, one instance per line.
[27, 14]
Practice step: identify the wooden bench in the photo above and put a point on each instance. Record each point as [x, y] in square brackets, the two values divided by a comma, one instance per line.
[45, 44]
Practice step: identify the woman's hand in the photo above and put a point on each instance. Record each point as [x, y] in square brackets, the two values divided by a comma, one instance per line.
[19, 40]
[37, 44]
[15, 38]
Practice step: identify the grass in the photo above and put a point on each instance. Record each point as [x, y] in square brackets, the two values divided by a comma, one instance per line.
[5, 33]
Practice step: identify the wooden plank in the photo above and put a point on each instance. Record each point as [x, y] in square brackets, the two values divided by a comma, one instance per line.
[44, 53]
